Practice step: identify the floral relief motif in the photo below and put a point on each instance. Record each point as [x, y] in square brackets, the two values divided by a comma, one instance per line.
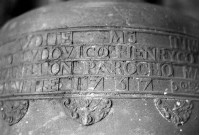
[87, 111]
[176, 111]
[13, 111]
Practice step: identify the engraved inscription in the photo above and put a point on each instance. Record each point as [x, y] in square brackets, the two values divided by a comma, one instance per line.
[100, 60]
[185, 86]
[122, 37]
[184, 43]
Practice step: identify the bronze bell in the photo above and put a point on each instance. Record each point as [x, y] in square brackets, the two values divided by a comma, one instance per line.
[99, 68]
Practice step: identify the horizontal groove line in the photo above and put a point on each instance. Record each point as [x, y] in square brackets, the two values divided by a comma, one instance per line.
[115, 95]
[125, 28]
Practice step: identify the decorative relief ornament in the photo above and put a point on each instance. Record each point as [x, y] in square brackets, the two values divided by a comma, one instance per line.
[87, 111]
[13, 111]
[176, 111]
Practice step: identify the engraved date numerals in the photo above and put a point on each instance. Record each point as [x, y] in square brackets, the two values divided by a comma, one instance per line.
[176, 111]
[13, 111]
[87, 111]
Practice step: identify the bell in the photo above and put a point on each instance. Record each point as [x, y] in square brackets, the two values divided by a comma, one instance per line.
[99, 68]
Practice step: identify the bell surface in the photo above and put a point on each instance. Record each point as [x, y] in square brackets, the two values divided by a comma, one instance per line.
[99, 68]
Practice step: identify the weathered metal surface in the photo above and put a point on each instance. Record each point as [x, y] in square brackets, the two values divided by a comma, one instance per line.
[99, 68]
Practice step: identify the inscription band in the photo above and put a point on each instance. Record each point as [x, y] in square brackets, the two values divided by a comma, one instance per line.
[101, 59]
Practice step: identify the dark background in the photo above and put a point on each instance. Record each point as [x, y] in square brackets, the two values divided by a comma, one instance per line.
[12, 8]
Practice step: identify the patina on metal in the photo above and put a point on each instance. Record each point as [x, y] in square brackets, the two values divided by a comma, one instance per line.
[99, 68]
